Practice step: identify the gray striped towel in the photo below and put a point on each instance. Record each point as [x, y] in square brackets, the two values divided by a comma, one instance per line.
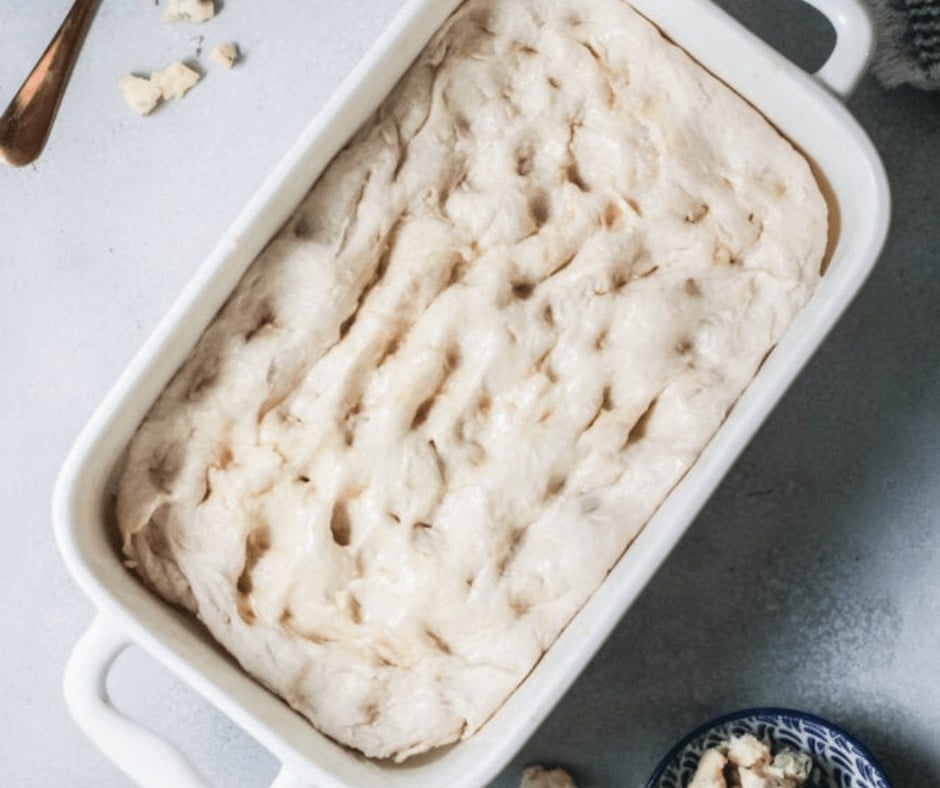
[909, 43]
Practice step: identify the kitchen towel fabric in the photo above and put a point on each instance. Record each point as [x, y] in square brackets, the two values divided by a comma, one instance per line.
[909, 43]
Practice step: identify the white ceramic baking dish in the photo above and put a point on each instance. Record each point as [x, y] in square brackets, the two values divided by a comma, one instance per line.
[806, 108]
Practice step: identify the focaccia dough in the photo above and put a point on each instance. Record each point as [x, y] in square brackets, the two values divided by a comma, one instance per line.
[447, 396]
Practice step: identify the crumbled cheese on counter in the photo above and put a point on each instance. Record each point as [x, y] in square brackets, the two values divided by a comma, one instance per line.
[144, 94]
[455, 386]
[140, 93]
[747, 762]
[175, 81]
[225, 55]
[189, 11]
[540, 777]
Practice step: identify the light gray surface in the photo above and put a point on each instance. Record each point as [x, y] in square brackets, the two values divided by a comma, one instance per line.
[812, 579]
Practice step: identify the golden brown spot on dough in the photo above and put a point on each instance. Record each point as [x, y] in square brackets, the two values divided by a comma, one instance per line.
[573, 175]
[439, 643]
[555, 485]
[349, 418]
[596, 416]
[286, 616]
[208, 484]
[546, 415]
[265, 488]
[154, 537]
[683, 346]
[203, 379]
[607, 399]
[511, 549]
[592, 50]
[457, 270]
[620, 279]
[347, 324]
[549, 371]
[698, 213]
[780, 188]
[402, 159]
[422, 525]
[483, 19]
[385, 661]
[390, 349]
[484, 403]
[548, 315]
[224, 456]
[565, 262]
[381, 267]
[538, 207]
[265, 319]
[340, 525]
[245, 611]
[461, 124]
[721, 255]
[355, 610]
[524, 161]
[611, 214]
[354, 410]
[590, 504]
[371, 713]
[477, 453]
[540, 361]
[610, 96]
[395, 517]
[286, 417]
[638, 430]
[450, 362]
[271, 375]
[165, 466]
[600, 341]
[574, 19]
[302, 227]
[439, 461]
[634, 206]
[519, 606]
[648, 272]
[256, 545]
[421, 414]
[691, 287]
[272, 403]
[459, 426]
[523, 290]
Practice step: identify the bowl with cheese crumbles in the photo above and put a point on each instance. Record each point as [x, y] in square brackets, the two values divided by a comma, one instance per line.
[769, 748]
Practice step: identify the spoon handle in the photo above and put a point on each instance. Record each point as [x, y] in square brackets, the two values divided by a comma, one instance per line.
[25, 126]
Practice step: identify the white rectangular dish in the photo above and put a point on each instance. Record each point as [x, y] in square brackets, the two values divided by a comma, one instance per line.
[805, 108]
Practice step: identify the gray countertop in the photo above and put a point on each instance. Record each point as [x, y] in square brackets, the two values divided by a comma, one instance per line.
[811, 579]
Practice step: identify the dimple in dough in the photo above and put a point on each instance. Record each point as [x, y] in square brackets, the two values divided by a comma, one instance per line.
[451, 391]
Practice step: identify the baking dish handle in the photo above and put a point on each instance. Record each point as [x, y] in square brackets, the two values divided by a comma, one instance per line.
[143, 756]
[855, 44]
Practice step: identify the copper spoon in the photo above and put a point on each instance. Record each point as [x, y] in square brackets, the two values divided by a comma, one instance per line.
[25, 126]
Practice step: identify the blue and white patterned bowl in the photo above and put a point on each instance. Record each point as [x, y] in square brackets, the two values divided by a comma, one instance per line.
[841, 761]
